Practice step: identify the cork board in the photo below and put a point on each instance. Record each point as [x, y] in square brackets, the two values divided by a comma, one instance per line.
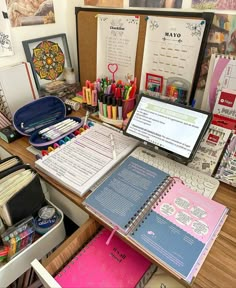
[86, 30]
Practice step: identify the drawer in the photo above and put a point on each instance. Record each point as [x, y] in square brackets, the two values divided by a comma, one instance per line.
[64, 253]
[21, 263]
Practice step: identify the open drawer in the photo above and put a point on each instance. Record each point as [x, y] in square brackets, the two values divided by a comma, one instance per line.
[13, 269]
[64, 253]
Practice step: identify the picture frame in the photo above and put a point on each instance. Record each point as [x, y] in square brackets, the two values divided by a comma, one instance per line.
[48, 56]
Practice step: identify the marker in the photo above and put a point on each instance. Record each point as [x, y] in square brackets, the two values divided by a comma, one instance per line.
[86, 118]
[104, 105]
[113, 146]
[114, 108]
[109, 107]
[59, 124]
[120, 109]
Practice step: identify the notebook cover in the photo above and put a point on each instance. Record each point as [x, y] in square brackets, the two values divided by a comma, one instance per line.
[127, 192]
[179, 228]
[100, 265]
[24, 203]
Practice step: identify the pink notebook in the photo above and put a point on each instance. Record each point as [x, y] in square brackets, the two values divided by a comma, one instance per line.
[192, 212]
[101, 265]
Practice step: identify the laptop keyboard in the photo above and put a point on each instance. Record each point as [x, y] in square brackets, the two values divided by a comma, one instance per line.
[197, 181]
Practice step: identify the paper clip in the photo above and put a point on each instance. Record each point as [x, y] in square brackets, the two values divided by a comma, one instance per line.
[90, 123]
[66, 139]
[44, 152]
[50, 149]
[61, 142]
[77, 132]
[56, 145]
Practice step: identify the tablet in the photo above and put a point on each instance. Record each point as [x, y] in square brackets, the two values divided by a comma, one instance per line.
[172, 127]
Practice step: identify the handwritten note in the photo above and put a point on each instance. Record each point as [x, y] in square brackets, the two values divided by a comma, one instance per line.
[117, 38]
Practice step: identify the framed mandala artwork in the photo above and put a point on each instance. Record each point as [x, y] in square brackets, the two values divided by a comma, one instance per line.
[48, 56]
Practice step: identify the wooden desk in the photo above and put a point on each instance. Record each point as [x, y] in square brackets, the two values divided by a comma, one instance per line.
[218, 270]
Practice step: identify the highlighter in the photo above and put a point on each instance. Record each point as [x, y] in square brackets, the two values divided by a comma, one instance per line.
[104, 106]
[88, 96]
[114, 108]
[84, 101]
[109, 107]
[119, 101]
[100, 104]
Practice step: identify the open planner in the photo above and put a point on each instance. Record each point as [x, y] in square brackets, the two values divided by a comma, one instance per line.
[168, 220]
[83, 160]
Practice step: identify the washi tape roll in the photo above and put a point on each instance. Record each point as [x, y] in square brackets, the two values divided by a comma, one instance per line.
[47, 217]
[73, 104]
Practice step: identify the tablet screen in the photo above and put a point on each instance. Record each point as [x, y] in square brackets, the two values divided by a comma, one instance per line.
[175, 128]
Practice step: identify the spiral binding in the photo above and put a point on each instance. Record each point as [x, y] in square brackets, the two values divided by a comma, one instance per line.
[80, 253]
[232, 57]
[158, 194]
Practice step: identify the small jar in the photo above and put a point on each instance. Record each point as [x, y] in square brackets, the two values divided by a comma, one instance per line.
[69, 75]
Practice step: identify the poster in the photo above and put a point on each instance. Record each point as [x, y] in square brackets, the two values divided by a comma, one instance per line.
[35, 12]
[5, 33]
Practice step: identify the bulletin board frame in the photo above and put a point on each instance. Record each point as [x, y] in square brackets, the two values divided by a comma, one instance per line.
[86, 38]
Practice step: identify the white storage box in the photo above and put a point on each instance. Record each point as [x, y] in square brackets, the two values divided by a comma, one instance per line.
[21, 263]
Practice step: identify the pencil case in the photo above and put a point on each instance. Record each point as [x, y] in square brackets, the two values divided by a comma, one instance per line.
[43, 113]
[21, 194]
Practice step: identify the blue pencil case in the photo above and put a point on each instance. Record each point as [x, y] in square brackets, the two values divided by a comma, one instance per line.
[45, 112]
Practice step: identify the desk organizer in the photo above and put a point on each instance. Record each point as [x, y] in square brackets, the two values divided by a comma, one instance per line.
[14, 268]
[40, 114]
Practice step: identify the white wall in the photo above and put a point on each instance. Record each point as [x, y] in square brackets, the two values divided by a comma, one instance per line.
[65, 23]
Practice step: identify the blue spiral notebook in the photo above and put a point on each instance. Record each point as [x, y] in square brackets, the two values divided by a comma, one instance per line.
[162, 216]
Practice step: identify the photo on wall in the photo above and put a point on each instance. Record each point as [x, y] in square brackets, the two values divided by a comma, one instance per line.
[105, 3]
[156, 3]
[214, 4]
[25, 13]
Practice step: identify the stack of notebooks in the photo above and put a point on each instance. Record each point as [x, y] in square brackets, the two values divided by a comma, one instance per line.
[173, 224]
[104, 266]
[21, 194]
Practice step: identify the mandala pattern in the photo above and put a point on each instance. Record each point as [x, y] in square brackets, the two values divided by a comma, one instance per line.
[49, 60]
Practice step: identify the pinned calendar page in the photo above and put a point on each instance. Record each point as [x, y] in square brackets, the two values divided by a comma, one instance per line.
[172, 47]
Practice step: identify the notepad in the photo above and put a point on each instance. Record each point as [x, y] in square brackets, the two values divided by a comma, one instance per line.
[106, 266]
[81, 162]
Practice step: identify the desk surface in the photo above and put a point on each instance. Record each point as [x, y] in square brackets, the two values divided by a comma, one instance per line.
[218, 270]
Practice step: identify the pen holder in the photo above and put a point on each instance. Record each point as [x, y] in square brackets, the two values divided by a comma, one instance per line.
[127, 106]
